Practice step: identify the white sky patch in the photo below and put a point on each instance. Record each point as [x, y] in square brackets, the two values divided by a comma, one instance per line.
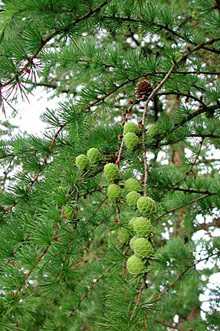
[28, 112]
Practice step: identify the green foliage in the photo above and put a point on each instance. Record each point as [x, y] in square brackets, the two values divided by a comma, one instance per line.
[70, 201]
[122, 236]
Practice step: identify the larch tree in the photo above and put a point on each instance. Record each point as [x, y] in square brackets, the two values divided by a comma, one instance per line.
[109, 220]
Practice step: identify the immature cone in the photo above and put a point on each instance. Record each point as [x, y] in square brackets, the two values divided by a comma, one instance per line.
[146, 205]
[111, 172]
[94, 155]
[131, 140]
[131, 242]
[142, 227]
[135, 265]
[132, 198]
[130, 223]
[113, 192]
[142, 247]
[82, 162]
[143, 89]
[131, 127]
[132, 184]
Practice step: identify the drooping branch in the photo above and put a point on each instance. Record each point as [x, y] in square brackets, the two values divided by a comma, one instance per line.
[161, 27]
[29, 61]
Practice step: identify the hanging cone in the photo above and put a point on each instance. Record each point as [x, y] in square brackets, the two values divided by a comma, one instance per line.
[143, 89]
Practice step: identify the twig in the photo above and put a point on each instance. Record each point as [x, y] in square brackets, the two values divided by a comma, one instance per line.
[138, 297]
[29, 273]
[188, 204]
[146, 168]
[152, 94]
[179, 277]
[174, 66]
[120, 153]
[89, 290]
[162, 27]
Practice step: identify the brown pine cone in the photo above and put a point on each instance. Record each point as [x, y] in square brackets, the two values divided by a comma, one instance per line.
[143, 89]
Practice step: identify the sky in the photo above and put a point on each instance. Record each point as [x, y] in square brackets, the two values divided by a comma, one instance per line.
[29, 112]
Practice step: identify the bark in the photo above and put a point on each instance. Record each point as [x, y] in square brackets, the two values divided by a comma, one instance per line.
[177, 158]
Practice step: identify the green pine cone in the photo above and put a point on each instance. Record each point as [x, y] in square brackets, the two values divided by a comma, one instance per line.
[82, 162]
[111, 172]
[142, 247]
[146, 206]
[94, 155]
[132, 198]
[131, 140]
[132, 184]
[131, 242]
[113, 192]
[135, 265]
[130, 223]
[142, 227]
[131, 127]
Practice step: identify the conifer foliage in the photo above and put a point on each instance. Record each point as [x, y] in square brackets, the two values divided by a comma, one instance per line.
[109, 221]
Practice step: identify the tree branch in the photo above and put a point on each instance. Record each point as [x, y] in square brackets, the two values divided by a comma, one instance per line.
[47, 39]
[162, 27]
